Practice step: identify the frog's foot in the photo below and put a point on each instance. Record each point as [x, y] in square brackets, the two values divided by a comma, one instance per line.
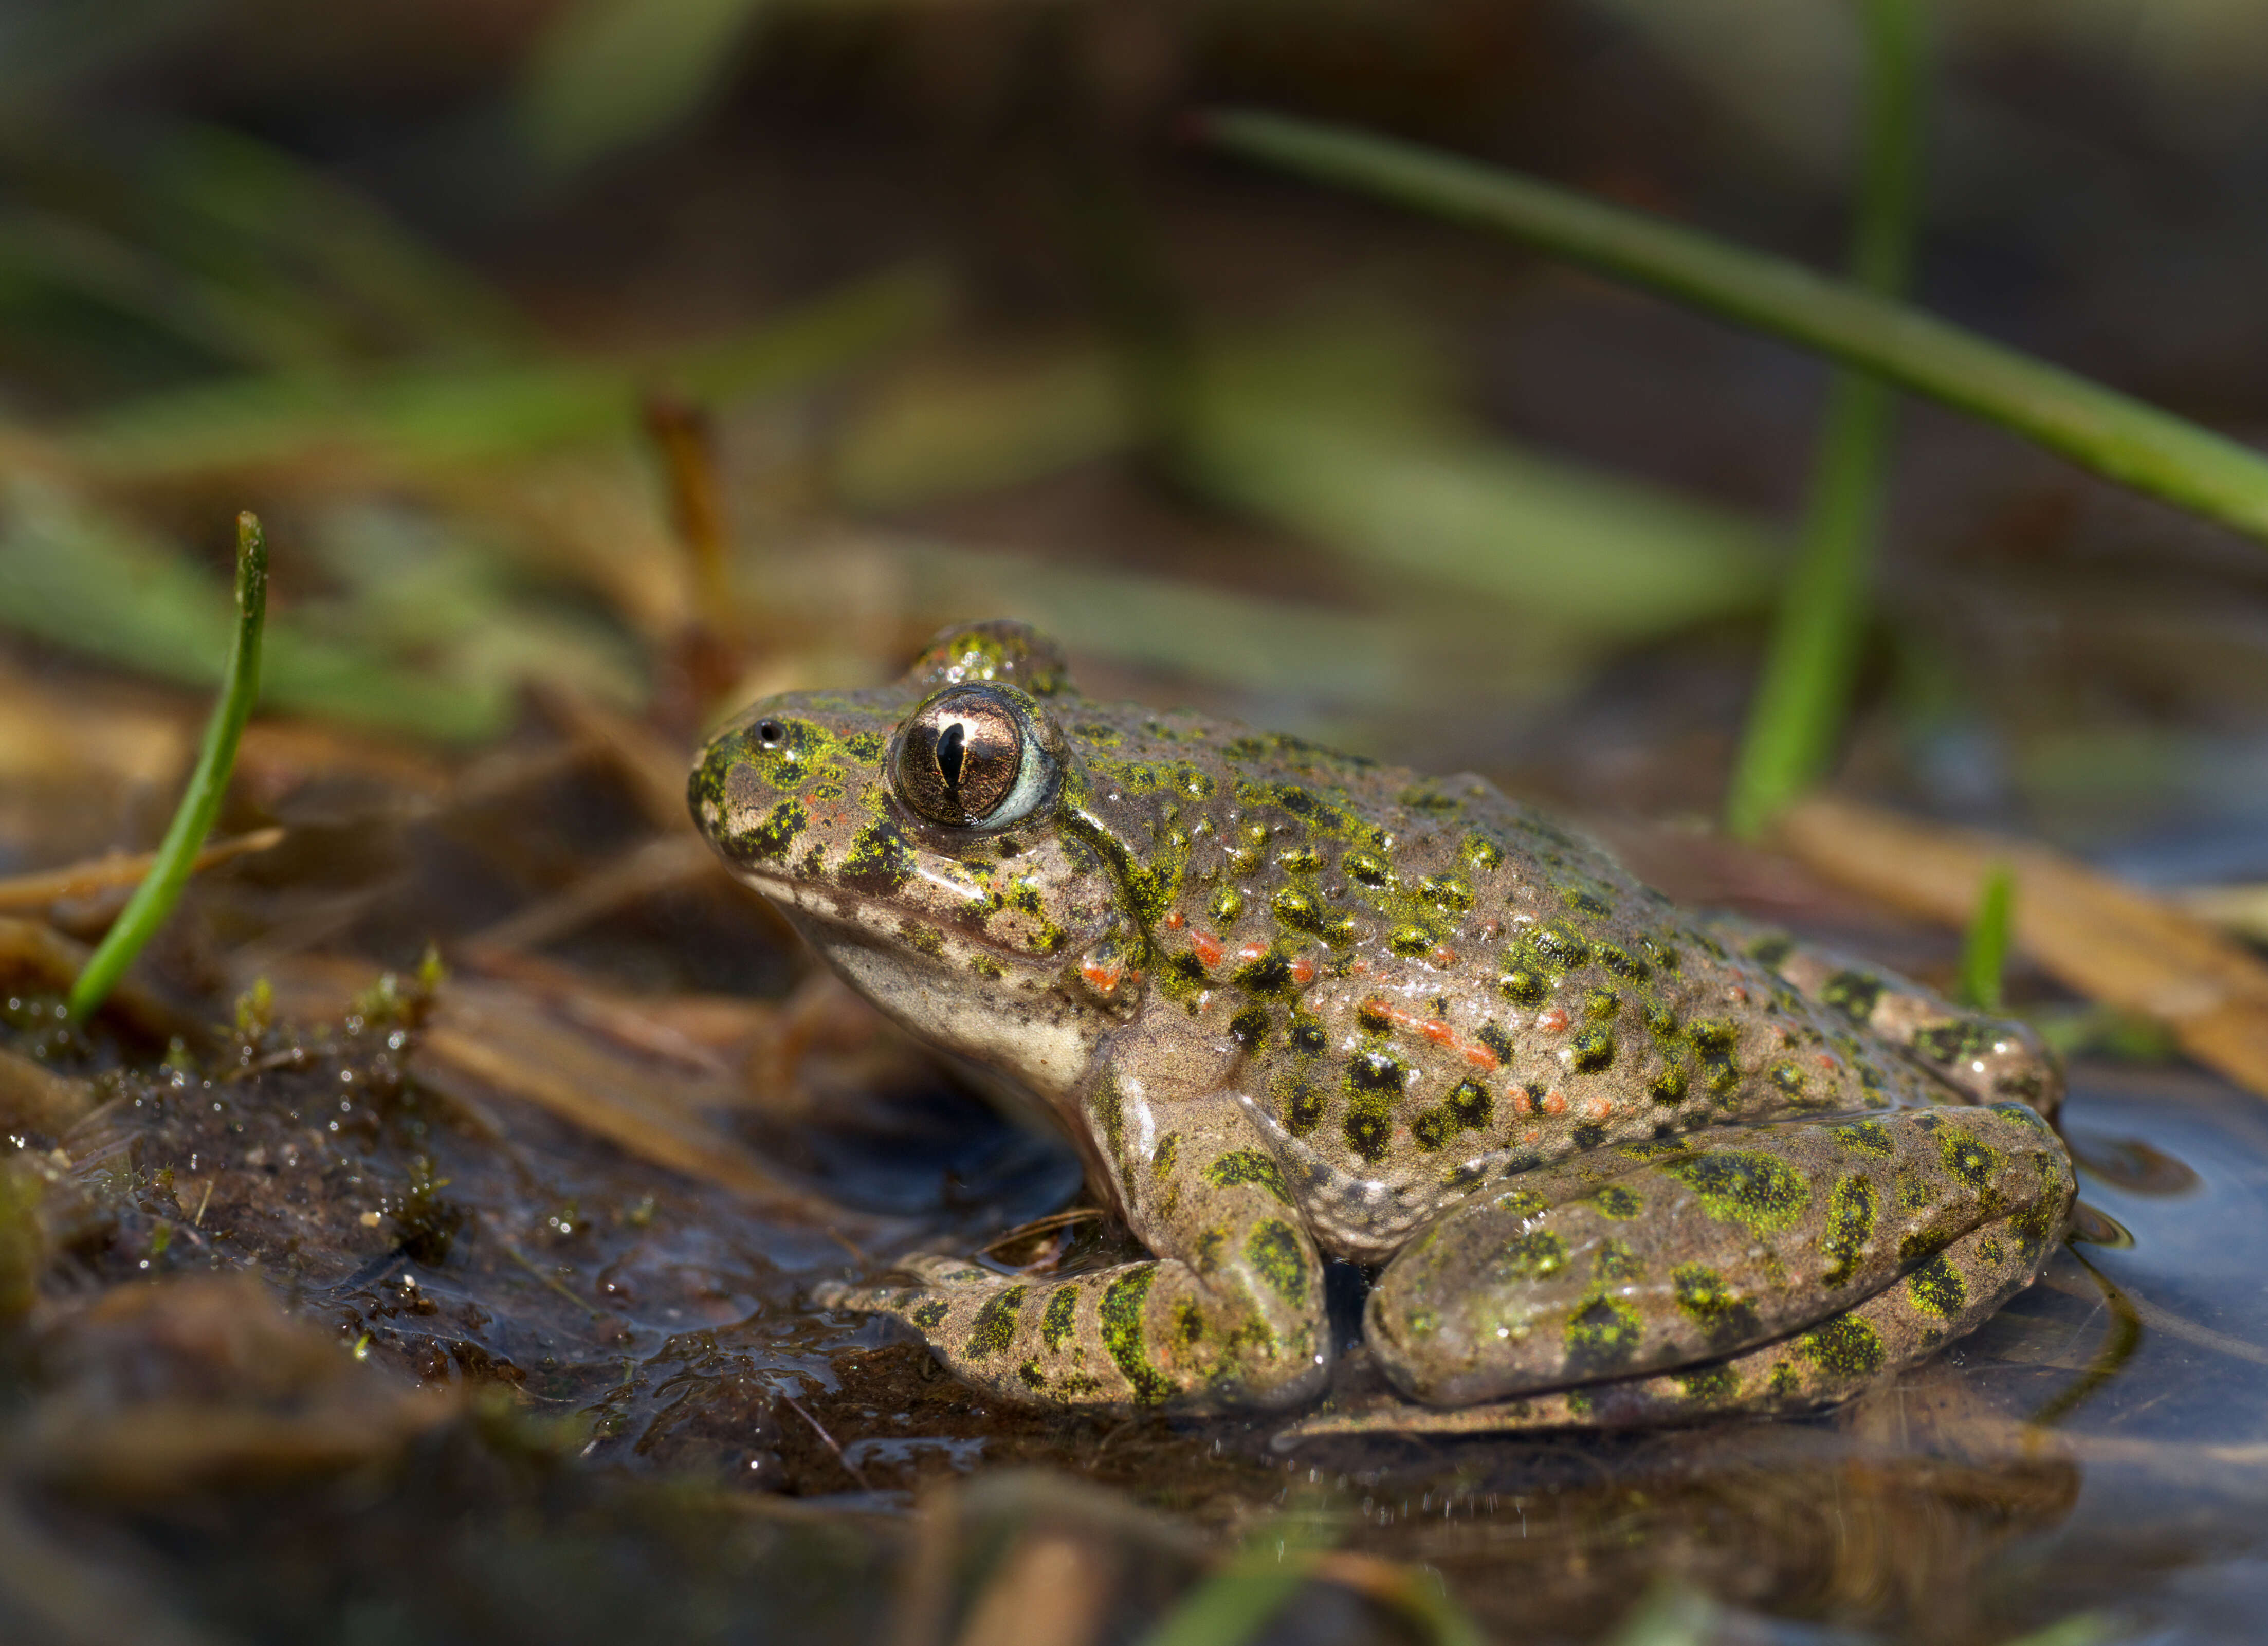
[1835, 1360]
[1697, 1252]
[1990, 1058]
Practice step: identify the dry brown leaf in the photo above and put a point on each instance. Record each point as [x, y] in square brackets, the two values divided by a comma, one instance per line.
[510, 1043]
[2097, 936]
[90, 875]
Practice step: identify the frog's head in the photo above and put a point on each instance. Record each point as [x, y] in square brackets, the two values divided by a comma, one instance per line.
[915, 834]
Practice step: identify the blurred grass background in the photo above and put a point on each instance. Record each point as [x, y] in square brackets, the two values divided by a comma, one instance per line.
[973, 332]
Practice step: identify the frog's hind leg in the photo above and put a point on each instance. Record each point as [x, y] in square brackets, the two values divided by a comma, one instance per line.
[1989, 1059]
[1694, 1253]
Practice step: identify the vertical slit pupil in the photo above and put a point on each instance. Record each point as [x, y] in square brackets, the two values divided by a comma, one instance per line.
[950, 750]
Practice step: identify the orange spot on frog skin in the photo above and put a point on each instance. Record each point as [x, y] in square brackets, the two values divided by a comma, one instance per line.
[1175, 920]
[1595, 1108]
[1826, 1061]
[1737, 995]
[1519, 1103]
[1438, 1032]
[1252, 952]
[1554, 1101]
[1207, 947]
[1101, 979]
[1443, 957]
[1303, 971]
[1491, 928]
[1552, 1020]
[1531, 1134]
[1479, 1056]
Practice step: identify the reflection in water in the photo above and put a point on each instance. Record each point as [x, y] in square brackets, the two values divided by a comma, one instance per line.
[2119, 1344]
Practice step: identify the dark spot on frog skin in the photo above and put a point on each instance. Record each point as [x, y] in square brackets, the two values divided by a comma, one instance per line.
[1559, 948]
[1269, 974]
[1850, 1225]
[1304, 1107]
[1844, 1347]
[1937, 1289]
[1724, 1316]
[1377, 1073]
[1953, 1042]
[1770, 951]
[1250, 1027]
[1853, 993]
[1593, 1050]
[1366, 867]
[1787, 1077]
[1369, 1130]
[1471, 1105]
[1621, 962]
[1432, 1127]
[1123, 1306]
[1248, 1165]
[1667, 1086]
[772, 838]
[1522, 987]
[994, 1329]
[1589, 1137]
[1308, 1037]
[1603, 1337]
[1492, 1036]
[1619, 1202]
[1273, 1250]
[879, 862]
[1975, 1163]
[1865, 1137]
[929, 1316]
[1760, 1191]
[1061, 1319]
[1588, 903]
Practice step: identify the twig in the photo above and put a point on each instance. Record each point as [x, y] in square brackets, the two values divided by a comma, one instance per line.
[820, 1428]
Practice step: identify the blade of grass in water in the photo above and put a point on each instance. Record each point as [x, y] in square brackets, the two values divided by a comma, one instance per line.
[2119, 437]
[1235, 1603]
[160, 890]
[1984, 948]
[1804, 691]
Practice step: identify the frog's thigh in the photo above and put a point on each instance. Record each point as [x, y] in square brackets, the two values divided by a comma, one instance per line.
[1231, 1314]
[1709, 1248]
[1989, 1058]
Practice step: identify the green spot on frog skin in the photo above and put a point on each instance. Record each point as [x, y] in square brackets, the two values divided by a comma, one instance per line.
[1227, 905]
[1954, 1042]
[1937, 1289]
[1366, 867]
[1308, 1037]
[1301, 1102]
[1588, 903]
[1031, 1376]
[1853, 994]
[1760, 1191]
[929, 1316]
[1447, 891]
[1273, 1250]
[1709, 1385]
[1619, 1202]
[879, 862]
[1123, 1306]
[1559, 949]
[1973, 1162]
[1537, 1255]
[1432, 1127]
[772, 838]
[1161, 1158]
[1601, 1005]
[1061, 1320]
[1470, 1105]
[1616, 1264]
[1770, 951]
[1724, 1316]
[1492, 1036]
[1850, 1224]
[1787, 1077]
[1990, 1249]
[1603, 1337]
[1298, 909]
[1248, 1165]
[994, 1328]
[1409, 940]
[1522, 987]
[1621, 962]
[1593, 1050]
[1480, 852]
[1188, 1324]
[1668, 1086]
[1720, 1075]
[1712, 1035]
[1864, 1137]
[1844, 1347]
[1913, 1191]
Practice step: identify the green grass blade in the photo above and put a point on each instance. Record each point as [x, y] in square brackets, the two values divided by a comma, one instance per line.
[611, 73]
[1804, 692]
[1984, 947]
[160, 890]
[2119, 437]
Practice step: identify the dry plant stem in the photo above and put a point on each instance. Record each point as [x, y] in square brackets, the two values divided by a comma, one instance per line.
[1804, 691]
[2115, 436]
[686, 439]
[160, 890]
[27, 892]
[2100, 938]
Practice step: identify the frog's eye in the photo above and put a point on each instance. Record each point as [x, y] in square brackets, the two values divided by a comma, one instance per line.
[966, 757]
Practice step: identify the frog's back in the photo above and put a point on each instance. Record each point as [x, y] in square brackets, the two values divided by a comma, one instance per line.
[1432, 987]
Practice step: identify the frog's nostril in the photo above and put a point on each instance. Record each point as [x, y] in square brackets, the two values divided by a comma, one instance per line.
[770, 734]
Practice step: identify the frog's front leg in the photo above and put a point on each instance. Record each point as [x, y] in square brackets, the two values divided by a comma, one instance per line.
[1990, 1058]
[1229, 1314]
